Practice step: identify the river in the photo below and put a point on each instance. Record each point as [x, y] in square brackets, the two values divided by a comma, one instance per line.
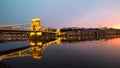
[61, 53]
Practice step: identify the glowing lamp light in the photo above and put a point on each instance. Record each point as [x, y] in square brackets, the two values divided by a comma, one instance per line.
[32, 43]
[39, 43]
[39, 33]
[32, 33]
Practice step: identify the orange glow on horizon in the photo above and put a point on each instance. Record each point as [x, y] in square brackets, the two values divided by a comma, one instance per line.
[113, 23]
[116, 26]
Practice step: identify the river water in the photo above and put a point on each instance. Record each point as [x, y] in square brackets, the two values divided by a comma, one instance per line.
[67, 53]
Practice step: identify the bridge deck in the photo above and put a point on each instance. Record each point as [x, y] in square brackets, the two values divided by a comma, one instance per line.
[16, 30]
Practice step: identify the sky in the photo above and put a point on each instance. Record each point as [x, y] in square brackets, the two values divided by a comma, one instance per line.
[62, 13]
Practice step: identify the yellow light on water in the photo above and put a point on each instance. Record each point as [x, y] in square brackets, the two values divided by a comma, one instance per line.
[37, 57]
[58, 41]
[39, 43]
[32, 43]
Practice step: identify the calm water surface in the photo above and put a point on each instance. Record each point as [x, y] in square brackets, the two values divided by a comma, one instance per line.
[68, 54]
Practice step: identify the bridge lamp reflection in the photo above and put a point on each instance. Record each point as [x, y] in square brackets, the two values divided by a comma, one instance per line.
[32, 44]
[39, 43]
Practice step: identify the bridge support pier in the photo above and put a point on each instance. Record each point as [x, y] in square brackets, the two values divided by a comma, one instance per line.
[35, 34]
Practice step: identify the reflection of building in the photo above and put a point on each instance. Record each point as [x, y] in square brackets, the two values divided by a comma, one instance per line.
[88, 38]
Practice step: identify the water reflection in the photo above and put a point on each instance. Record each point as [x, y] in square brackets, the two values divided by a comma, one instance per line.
[35, 49]
[4, 65]
[38, 46]
[88, 38]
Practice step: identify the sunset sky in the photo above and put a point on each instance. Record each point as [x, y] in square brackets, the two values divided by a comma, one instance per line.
[62, 13]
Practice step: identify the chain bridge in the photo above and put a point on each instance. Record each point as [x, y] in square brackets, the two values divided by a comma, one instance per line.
[33, 28]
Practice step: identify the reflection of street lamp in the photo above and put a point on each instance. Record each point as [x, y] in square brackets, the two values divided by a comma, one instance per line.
[39, 43]
[32, 43]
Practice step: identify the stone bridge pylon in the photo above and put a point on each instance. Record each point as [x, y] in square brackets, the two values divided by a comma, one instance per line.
[35, 24]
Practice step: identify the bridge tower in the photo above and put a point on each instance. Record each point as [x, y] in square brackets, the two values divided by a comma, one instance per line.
[35, 24]
[58, 32]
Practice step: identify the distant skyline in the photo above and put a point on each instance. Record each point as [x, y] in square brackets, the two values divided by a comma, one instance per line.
[62, 13]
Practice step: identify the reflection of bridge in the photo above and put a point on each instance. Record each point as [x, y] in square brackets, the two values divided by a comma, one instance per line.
[35, 50]
[37, 47]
